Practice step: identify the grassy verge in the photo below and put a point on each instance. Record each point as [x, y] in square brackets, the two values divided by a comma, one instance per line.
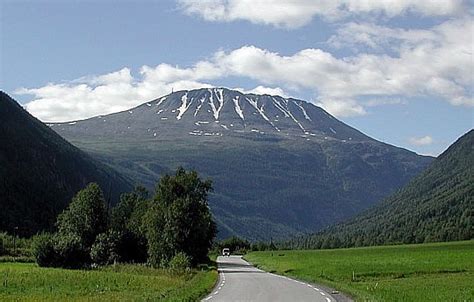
[423, 272]
[28, 282]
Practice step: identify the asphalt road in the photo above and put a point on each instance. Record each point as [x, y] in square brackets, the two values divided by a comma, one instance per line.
[240, 281]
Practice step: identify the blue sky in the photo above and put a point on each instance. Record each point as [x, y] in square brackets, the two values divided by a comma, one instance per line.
[400, 71]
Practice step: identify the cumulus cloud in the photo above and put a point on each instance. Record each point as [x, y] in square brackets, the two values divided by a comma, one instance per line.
[421, 141]
[265, 90]
[108, 93]
[384, 101]
[297, 13]
[432, 63]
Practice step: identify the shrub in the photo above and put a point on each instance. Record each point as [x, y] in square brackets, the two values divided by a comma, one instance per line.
[71, 251]
[43, 250]
[104, 251]
[180, 263]
[14, 246]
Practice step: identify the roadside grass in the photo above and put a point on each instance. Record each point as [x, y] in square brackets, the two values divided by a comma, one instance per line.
[419, 272]
[28, 282]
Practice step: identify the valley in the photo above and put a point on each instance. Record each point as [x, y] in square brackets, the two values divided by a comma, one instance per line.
[237, 151]
[280, 166]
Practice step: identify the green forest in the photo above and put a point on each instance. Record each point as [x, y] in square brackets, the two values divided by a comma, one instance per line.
[435, 206]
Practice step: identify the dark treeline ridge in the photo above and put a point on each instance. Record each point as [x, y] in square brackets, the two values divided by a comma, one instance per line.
[40, 172]
[435, 206]
[173, 229]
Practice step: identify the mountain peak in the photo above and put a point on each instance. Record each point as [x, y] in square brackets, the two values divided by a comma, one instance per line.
[217, 112]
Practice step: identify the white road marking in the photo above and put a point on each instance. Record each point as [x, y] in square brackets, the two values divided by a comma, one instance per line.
[216, 292]
[323, 294]
[208, 298]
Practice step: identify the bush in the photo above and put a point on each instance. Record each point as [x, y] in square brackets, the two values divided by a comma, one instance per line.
[14, 246]
[43, 250]
[180, 263]
[104, 251]
[71, 251]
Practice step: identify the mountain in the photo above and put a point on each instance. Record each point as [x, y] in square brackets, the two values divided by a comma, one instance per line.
[280, 166]
[437, 205]
[40, 172]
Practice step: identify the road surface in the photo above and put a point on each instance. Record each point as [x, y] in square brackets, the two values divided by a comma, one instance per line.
[240, 281]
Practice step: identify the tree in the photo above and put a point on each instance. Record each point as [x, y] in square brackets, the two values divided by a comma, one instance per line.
[86, 216]
[179, 219]
[126, 220]
[122, 216]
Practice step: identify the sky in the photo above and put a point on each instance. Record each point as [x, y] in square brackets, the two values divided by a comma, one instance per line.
[400, 71]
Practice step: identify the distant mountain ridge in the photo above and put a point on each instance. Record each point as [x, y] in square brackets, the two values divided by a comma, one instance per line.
[437, 205]
[40, 172]
[280, 165]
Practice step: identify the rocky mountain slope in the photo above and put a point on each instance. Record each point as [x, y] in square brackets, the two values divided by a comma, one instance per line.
[280, 166]
[40, 172]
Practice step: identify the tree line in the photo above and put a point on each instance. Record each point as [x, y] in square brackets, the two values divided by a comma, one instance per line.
[174, 228]
[435, 206]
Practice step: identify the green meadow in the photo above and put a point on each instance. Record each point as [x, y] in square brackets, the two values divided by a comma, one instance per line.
[28, 282]
[421, 272]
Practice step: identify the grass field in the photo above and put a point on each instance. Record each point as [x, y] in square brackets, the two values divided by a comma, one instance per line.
[424, 272]
[28, 282]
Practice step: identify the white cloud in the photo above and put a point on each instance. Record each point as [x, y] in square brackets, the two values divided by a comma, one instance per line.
[265, 90]
[421, 141]
[384, 101]
[112, 92]
[353, 35]
[433, 63]
[297, 13]
[342, 107]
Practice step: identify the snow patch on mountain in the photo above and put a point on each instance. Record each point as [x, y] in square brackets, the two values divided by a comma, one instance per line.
[306, 116]
[220, 99]
[184, 106]
[237, 108]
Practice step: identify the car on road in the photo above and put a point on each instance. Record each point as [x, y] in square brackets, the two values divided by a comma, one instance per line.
[226, 252]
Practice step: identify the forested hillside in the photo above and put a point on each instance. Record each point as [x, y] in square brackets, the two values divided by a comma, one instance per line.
[436, 206]
[40, 172]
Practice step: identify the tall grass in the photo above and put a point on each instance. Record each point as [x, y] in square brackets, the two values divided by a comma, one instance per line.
[28, 282]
